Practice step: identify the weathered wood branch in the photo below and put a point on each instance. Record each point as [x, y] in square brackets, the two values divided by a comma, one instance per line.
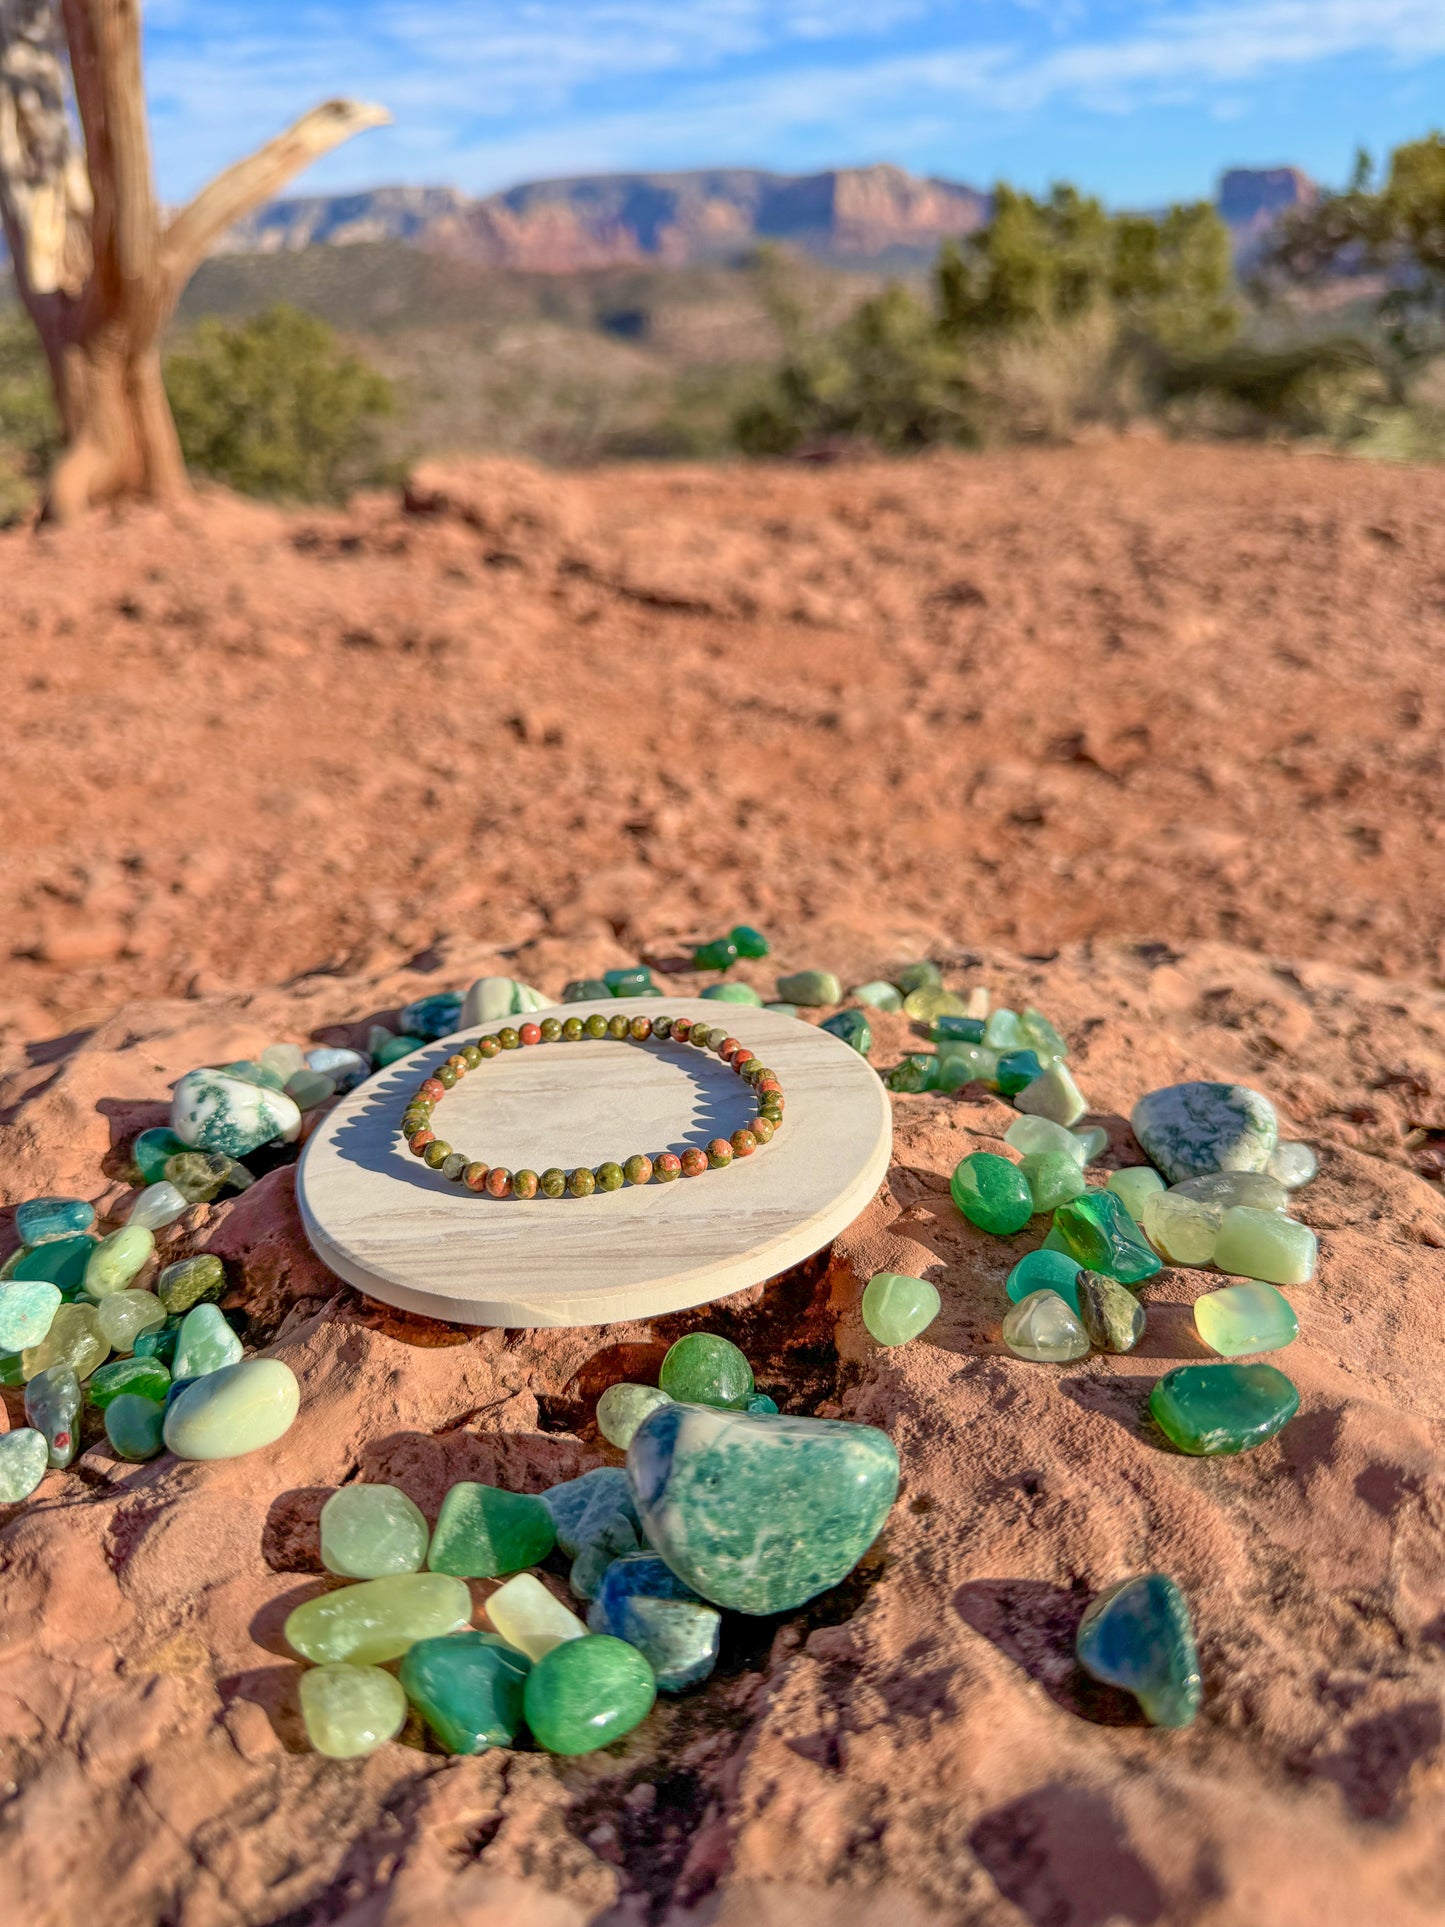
[45, 200]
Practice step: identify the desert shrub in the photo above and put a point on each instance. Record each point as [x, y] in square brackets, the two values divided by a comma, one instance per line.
[275, 406]
[1333, 388]
[29, 431]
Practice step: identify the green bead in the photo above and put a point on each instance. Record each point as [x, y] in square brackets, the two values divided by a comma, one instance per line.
[810, 988]
[41, 1221]
[135, 1427]
[638, 1169]
[1134, 1186]
[992, 1193]
[962, 1030]
[125, 1316]
[1111, 1315]
[747, 941]
[1016, 1070]
[1040, 1035]
[595, 1025]
[632, 982]
[609, 1176]
[52, 1406]
[151, 1150]
[116, 1260]
[854, 1029]
[1138, 1635]
[483, 1532]
[370, 1531]
[468, 1687]
[1045, 1270]
[553, 1182]
[61, 1263]
[27, 1311]
[733, 993]
[619, 1027]
[378, 1619]
[239, 1409]
[138, 1377]
[1053, 1178]
[623, 1407]
[1211, 1409]
[706, 1369]
[350, 1711]
[573, 1028]
[24, 1456]
[879, 995]
[581, 1183]
[720, 954]
[919, 976]
[73, 1339]
[897, 1307]
[1041, 1327]
[1267, 1245]
[551, 1029]
[1252, 1317]
[1098, 1231]
[586, 1693]
[191, 1281]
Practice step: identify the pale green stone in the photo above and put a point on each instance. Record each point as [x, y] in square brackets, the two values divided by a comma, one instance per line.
[1003, 1031]
[118, 1259]
[1053, 1177]
[1191, 1129]
[1252, 1317]
[1226, 1188]
[351, 1710]
[530, 1618]
[1040, 1035]
[238, 1409]
[369, 1531]
[27, 1311]
[810, 987]
[1267, 1245]
[74, 1339]
[1092, 1142]
[284, 1059]
[1183, 1230]
[488, 999]
[622, 1408]
[1035, 1136]
[877, 994]
[1134, 1186]
[1054, 1095]
[1293, 1164]
[23, 1457]
[308, 1088]
[251, 1072]
[378, 1619]
[213, 1112]
[206, 1343]
[1042, 1328]
[897, 1307]
[200, 1176]
[124, 1315]
[1110, 1314]
[158, 1205]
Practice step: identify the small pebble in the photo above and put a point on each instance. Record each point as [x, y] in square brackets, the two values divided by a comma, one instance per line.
[150, 1151]
[992, 1192]
[190, 1280]
[213, 1112]
[117, 1260]
[1227, 1188]
[1183, 1230]
[854, 1029]
[369, 1531]
[1002, 1030]
[60, 1263]
[1053, 1095]
[1110, 1314]
[74, 1339]
[706, 1369]
[1267, 1245]
[623, 1407]
[1138, 1635]
[124, 1316]
[395, 1048]
[377, 1620]
[483, 1532]
[468, 1688]
[345, 1068]
[1293, 1164]
[1034, 1136]
[158, 1205]
[1053, 1177]
[27, 1311]
[1207, 1410]
[923, 975]
[1252, 1317]
[308, 1088]
[1045, 1270]
[585, 1693]
[140, 1377]
[733, 992]
[644, 1603]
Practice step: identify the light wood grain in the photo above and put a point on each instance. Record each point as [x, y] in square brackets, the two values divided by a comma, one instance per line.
[402, 1233]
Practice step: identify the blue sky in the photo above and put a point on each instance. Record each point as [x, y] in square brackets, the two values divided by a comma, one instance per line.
[1140, 100]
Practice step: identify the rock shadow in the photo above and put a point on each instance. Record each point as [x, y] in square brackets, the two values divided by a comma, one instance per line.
[1170, 1334]
[1377, 1756]
[1034, 1624]
[1124, 1400]
[1061, 1856]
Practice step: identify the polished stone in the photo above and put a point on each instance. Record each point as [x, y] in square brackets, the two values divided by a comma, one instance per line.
[1293, 1164]
[1053, 1178]
[52, 1406]
[897, 1307]
[1133, 1187]
[1043, 1329]
[159, 1204]
[1267, 1245]
[378, 1619]
[854, 1029]
[483, 1532]
[1189, 1130]
[60, 1263]
[206, 1344]
[468, 1687]
[1138, 1635]
[213, 1112]
[583, 1509]
[1045, 1270]
[24, 1455]
[1098, 1231]
[642, 1601]
[27, 1311]
[1207, 1410]
[1054, 1095]
[372, 1531]
[190, 1281]
[707, 1370]
[125, 1316]
[586, 1693]
[238, 1409]
[1035, 1136]
[1226, 1188]
[39, 1221]
[118, 1260]
[138, 1377]
[350, 1711]
[74, 1339]
[623, 1407]
[135, 1427]
[1183, 1230]
[1240, 1319]
[992, 1192]
[437, 1015]
[877, 995]
[1111, 1315]
[530, 1618]
[810, 988]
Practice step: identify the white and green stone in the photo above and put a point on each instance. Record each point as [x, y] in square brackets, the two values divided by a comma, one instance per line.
[369, 1531]
[237, 1409]
[119, 1259]
[214, 1112]
[1189, 1130]
[1135, 1185]
[1043, 1329]
[27, 1311]
[24, 1455]
[623, 1407]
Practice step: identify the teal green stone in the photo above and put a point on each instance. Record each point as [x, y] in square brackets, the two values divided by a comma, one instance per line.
[140, 1377]
[707, 1370]
[60, 1263]
[483, 1532]
[1016, 1070]
[1139, 1635]
[747, 941]
[635, 981]
[213, 1112]
[915, 1073]
[159, 1342]
[1045, 1270]
[117, 1260]
[190, 1281]
[586, 1693]
[759, 1513]
[897, 1307]
[734, 993]
[992, 1193]
[956, 1030]
[760, 1402]
[810, 988]
[52, 1405]
[430, 1017]
[350, 1711]
[40, 1221]
[135, 1427]
[1041, 1036]
[468, 1687]
[918, 976]
[877, 995]
[206, 1344]
[1252, 1317]
[854, 1029]
[369, 1531]
[1098, 1231]
[677, 1633]
[1212, 1409]
[396, 1048]
[720, 954]
[623, 1407]
[1054, 1178]
[24, 1455]
[27, 1311]
[238, 1409]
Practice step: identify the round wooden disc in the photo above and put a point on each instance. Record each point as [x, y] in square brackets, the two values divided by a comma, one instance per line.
[404, 1234]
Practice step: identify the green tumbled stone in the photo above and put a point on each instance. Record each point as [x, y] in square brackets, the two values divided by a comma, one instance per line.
[158, 1205]
[926, 1006]
[586, 1693]
[915, 1073]
[1002, 1030]
[1042, 1328]
[286, 1059]
[125, 1317]
[959, 1064]
[1098, 1231]
[159, 1341]
[810, 988]
[309, 1088]
[1189, 1130]
[370, 1531]
[877, 995]
[213, 1112]
[1210, 1409]
[783, 1010]
[250, 1071]
[1227, 1188]
[1138, 1635]
[632, 982]
[1045, 1270]
[1015, 1070]
[149, 1153]
[430, 1017]
[350, 1711]
[1111, 1315]
[135, 1427]
[1134, 1186]
[468, 1687]
[733, 993]
[52, 1405]
[707, 1370]
[200, 1176]
[720, 954]
[760, 1402]
[584, 990]
[622, 1408]
[190, 1281]
[1053, 1095]
[60, 1263]
[1252, 1317]
[1040, 1035]
[395, 1048]
[760, 1513]
[1293, 1164]
[12, 1368]
[897, 1307]
[924, 975]
[1267, 1245]
[236, 1410]
[379, 1618]
[73, 1339]
[24, 1455]
[747, 941]
[992, 1193]
[118, 1259]
[1183, 1230]
[483, 1532]
[1092, 1141]
[27, 1311]
[41, 1221]
[854, 1029]
[1036, 1136]
[206, 1344]
[1053, 1178]
[956, 1030]
[139, 1377]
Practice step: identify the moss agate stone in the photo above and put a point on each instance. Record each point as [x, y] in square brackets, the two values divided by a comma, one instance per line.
[351, 1710]
[1138, 1635]
[61, 1263]
[378, 1619]
[529, 1618]
[117, 1260]
[235, 1410]
[135, 1427]
[141, 1377]
[643, 1602]
[1045, 1270]
[1045, 1330]
[1183, 1230]
[707, 1370]
[213, 1112]
[74, 1339]
[810, 988]
[372, 1531]
[468, 1687]
[1240, 1319]
[1267, 1245]
[1111, 1315]
[1053, 1178]
[1189, 1130]
[854, 1029]
[992, 1192]
[1098, 1231]
[623, 1407]
[1133, 1187]
[27, 1311]
[125, 1316]
[24, 1455]
[206, 1344]
[1209, 1410]
[897, 1307]
[587, 1693]
[52, 1406]
[760, 1513]
[483, 1532]
[40, 1221]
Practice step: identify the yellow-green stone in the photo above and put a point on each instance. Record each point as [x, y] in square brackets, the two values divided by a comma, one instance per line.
[1252, 1317]
[587, 1693]
[1134, 1186]
[1267, 1245]
[1032, 1136]
[483, 1532]
[1098, 1231]
[235, 1410]
[468, 1688]
[622, 1408]
[124, 1316]
[378, 1619]
[1043, 1329]
[1054, 1177]
[992, 1192]
[810, 987]
[73, 1339]
[1183, 1229]
[705, 1369]
[369, 1531]
[190, 1280]
[116, 1260]
[351, 1710]
[897, 1307]
[1138, 1635]
[1053, 1095]
[1213, 1409]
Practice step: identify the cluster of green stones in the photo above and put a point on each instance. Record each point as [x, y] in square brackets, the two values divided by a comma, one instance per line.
[641, 1167]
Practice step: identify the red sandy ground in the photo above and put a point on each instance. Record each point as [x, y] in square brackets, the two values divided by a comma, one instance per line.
[1150, 736]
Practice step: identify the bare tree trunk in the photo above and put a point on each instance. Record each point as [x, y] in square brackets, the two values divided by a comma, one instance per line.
[98, 272]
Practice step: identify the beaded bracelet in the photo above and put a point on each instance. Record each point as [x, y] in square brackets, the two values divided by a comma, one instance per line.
[498, 1182]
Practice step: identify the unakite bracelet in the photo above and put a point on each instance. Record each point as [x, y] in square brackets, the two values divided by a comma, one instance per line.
[499, 1182]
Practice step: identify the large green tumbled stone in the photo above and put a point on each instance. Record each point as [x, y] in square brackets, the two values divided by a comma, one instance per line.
[24, 1455]
[235, 1410]
[1265, 1244]
[623, 1407]
[483, 1532]
[135, 1427]
[1251, 1317]
[1098, 1231]
[897, 1307]
[41, 1221]
[1207, 1410]
[760, 1513]
[206, 1344]
[1045, 1270]
[351, 1710]
[1138, 1635]
[368, 1531]
[1189, 1130]
[52, 1405]
[586, 1693]
[60, 1263]
[1054, 1177]
[468, 1687]
[27, 1311]
[810, 988]
[992, 1193]
[1183, 1230]
[708, 1370]
[141, 1377]
[379, 1618]
[213, 1112]
[1044, 1329]
[1040, 1035]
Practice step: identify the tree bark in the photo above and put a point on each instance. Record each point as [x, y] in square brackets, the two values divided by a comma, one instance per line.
[98, 272]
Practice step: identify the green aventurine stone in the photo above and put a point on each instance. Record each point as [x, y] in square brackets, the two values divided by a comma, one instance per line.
[586, 1693]
[720, 954]
[1138, 1635]
[1111, 1315]
[1134, 1186]
[1265, 1244]
[60, 1263]
[40, 1221]
[1043, 1329]
[139, 1377]
[1245, 1318]
[206, 1344]
[747, 941]
[760, 1513]
[116, 1260]
[150, 1151]
[897, 1307]
[125, 1316]
[351, 1710]
[623, 1407]
[1210, 1409]
[27, 1311]
[23, 1458]
[810, 987]
[854, 1029]
[52, 1405]
[1054, 1177]
[992, 1193]
[707, 1370]
[483, 1532]
[733, 993]
[190, 1280]
[378, 1619]
[468, 1688]
[1098, 1231]
[369, 1531]
[878, 995]
[238, 1409]
[1045, 1270]
[135, 1427]
[73, 1339]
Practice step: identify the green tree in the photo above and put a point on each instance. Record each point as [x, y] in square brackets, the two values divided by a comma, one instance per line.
[275, 406]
